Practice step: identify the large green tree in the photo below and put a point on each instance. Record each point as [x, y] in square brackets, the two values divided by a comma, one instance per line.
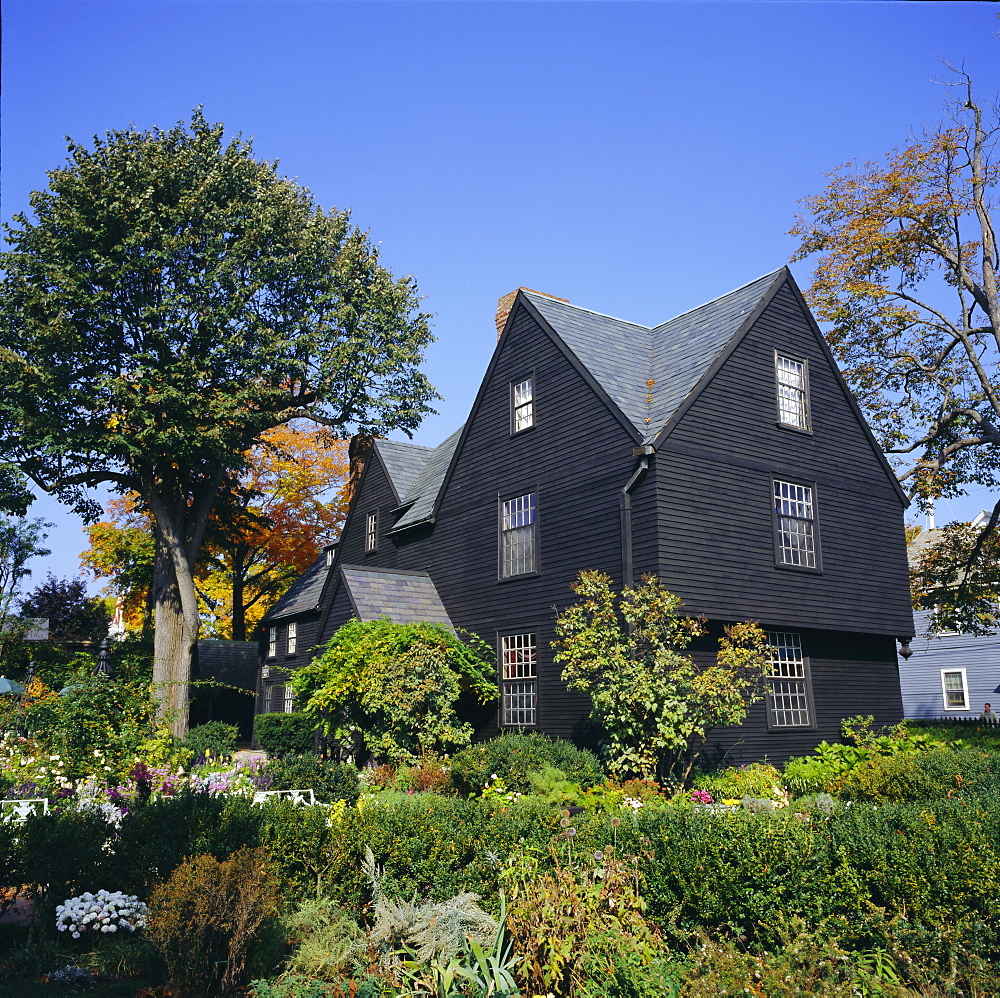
[906, 279]
[173, 298]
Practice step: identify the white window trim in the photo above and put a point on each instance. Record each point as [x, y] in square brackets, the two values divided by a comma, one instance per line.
[804, 697]
[272, 642]
[371, 532]
[965, 688]
[507, 512]
[528, 404]
[517, 676]
[806, 425]
[292, 638]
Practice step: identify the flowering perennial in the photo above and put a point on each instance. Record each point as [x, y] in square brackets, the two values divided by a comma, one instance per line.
[100, 912]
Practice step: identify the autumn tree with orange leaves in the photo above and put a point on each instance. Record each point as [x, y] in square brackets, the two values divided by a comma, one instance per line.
[270, 526]
[906, 281]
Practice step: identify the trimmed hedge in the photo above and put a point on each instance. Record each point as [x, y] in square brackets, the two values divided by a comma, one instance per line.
[285, 734]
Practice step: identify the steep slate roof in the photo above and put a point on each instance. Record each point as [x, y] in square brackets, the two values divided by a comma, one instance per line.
[425, 489]
[402, 462]
[623, 356]
[403, 597]
[304, 594]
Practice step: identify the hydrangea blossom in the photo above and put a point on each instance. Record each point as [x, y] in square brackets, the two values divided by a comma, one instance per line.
[104, 911]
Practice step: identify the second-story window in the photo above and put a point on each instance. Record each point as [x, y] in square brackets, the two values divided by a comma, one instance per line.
[792, 381]
[371, 531]
[293, 638]
[522, 405]
[795, 523]
[518, 536]
[272, 642]
[518, 680]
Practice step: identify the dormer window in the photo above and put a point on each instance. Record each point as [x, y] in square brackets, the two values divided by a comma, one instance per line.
[522, 405]
[792, 383]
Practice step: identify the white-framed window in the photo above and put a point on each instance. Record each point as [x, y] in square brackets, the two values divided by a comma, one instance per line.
[293, 638]
[518, 536]
[954, 689]
[522, 405]
[788, 699]
[795, 525]
[289, 702]
[792, 383]
[272, 642]
[371, 531]
[518, 680]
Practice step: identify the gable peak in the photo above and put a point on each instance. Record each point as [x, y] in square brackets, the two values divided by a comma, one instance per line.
[506, 303]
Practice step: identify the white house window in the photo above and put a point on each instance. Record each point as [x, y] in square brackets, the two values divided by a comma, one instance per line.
[289, 700]
[293, 638]
[793, 392]
[522, 405]
[954, 689]
[518, 679]
[788, 678]
[272, 642]
[796, 524]
[371, 531]
[518, 523]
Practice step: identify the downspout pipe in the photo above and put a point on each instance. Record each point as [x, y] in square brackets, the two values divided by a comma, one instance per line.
[625, 502]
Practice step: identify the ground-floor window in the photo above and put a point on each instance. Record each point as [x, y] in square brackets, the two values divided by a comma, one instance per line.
[518, 680]
[954, 689]
[788, 699]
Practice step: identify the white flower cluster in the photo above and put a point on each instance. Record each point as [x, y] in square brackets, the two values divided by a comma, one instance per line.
[100, 912]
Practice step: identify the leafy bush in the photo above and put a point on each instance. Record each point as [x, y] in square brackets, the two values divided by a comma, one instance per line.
[736, 782]
[205, 918]
[511, 757]
[285, 734]
[328, 940]
[919, 775]
[330, 781]
[212, 738]
[398, 686]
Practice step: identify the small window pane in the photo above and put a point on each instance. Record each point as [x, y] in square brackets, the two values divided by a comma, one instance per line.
[793, 407]
[371, 532]
[523, 395]
[517, 535]
[788, 698]
[518, 679]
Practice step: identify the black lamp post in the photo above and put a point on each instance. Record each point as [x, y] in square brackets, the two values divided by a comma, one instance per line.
[104, 667]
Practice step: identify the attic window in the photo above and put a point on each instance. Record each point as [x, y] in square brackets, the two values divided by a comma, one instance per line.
[371, 532]
[792, 383]
[522, 405]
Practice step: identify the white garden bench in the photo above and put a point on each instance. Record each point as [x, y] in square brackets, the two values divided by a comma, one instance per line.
[18, 810]
[295, 796]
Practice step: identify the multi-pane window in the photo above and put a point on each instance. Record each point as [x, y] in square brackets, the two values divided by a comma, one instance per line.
[289, 701]
[522, 400]
[293, 638]
[272, 642]
[371, 531]
[793, 392]
[796, 524]
[518, 678]
[518, 536]
[788, 696]
[953, 687]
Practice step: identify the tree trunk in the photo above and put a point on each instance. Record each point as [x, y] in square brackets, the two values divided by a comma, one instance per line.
[239, 617]
[172, 646]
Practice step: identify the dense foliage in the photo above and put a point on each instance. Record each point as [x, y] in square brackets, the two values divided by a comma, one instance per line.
[396, 687]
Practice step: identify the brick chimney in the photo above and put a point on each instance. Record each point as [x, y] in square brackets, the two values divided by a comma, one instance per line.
[505, 304]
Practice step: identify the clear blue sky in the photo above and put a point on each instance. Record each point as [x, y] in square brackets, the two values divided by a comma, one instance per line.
[637, 158]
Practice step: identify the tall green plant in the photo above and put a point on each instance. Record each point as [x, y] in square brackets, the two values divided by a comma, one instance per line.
[655, 704]
[398, 686]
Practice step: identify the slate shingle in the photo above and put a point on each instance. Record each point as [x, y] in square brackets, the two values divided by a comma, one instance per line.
[423, 495]
[403, 597]
[402, 462]
[304, 594]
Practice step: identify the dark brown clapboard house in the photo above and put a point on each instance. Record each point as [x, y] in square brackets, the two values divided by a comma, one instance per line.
[721, 451]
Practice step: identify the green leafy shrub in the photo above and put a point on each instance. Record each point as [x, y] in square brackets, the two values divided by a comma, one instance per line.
[205, 918]
[736, 782]
[300, 986]
[305, 844]
[919, 775]
[511, 757]
[212, 738]
[330, 781]
[328, 940]
[285, 734]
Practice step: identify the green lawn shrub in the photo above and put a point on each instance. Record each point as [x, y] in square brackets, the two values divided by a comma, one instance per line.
[919, 775]
[285, 734]
[330, 781]
[757, 779]
[513, 756]
[214, 738]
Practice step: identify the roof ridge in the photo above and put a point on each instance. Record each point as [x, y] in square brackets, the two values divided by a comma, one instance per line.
[591, 311]
[717, 298]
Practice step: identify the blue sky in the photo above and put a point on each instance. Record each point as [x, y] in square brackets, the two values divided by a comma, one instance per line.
[637, 158]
